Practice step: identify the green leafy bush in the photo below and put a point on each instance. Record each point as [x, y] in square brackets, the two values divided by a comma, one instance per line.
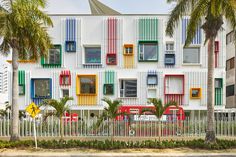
[108, 145]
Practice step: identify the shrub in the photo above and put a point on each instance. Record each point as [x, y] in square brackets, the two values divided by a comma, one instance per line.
[108, 145]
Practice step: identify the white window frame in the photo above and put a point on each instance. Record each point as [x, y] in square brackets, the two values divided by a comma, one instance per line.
[91, 46]
[170, 51]
[200, 55]
[128, 79]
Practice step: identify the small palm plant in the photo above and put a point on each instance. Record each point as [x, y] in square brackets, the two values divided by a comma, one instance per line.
[111, 112]
[158, 110]
[60, 107]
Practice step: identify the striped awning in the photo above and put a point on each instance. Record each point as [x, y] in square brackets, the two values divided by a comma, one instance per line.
[98, 8]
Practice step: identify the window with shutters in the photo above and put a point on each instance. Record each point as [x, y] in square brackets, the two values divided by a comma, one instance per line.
[128, 88]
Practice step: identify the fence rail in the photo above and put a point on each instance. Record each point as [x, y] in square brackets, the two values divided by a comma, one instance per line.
[88, 127]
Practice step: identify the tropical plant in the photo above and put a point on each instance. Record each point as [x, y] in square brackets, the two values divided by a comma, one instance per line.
[158, 110]
[60, 108]
[213, 12]
[110, 113]
[23, 32]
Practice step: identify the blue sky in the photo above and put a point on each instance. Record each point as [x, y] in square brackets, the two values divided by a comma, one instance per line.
[123, 6]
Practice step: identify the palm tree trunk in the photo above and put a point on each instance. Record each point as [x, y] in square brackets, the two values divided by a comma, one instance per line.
[210, 133]
[159, 129]
[15, 93]
[61, 128]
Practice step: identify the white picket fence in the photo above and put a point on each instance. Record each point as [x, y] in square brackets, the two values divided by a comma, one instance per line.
[224, 126]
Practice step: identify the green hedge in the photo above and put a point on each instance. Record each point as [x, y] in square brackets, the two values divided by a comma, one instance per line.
[108, 145]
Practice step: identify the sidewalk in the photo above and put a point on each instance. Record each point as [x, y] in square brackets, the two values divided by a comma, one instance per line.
[40, 154]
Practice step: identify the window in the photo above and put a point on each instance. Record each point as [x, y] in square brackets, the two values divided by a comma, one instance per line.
[229, 90]
[70, 46]
[195, 93]
[87, 84]
[41, 88]
[174, 84]
[128, 49]
[152, 78]
[230, 37]
[21, 89]
[111, 59]
[21, 82]
[92, 55]
[169, 59]
[65, 78]
[65, 92]
[54, 55]
[230, 64]
[151, 93]
[169, 46]
[148, 51]
[128, 88]
[218, 83]
[191, 55]
[108, 89]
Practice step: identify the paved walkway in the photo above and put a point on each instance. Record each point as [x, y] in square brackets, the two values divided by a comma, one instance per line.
[39, 154]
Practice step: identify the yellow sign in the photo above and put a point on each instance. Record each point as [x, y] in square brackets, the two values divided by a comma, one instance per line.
[32, 109]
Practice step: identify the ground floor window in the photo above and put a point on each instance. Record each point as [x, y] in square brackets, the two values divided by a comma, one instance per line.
[87, 84]
[41, 88]
[65, 92]
[229, 90]
[128, 88]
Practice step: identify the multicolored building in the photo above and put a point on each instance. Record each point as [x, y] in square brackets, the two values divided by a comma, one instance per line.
[126, 57]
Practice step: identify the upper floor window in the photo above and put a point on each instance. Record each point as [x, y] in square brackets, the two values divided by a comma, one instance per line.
[229, 90]
[92, 55]
[148, 51]
[191, 55]
[169, 46]
[53, 58]
[230, 37]
[230, 63]
[65, 78]
[128, 49]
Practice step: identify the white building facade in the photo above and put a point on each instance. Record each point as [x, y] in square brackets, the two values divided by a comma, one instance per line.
[126, 57]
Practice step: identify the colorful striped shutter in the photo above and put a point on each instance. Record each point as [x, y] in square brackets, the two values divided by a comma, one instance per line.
[21, 80]
[71, 29]
[198, 37]
[109, 80]
[219, 93]
[148, 29]
[112, 36]
[65, 73]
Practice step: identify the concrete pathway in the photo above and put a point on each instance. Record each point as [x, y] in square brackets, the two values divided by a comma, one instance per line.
[44, 154]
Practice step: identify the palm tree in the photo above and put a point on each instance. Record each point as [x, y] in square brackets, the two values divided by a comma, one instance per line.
[213, 11]
[111, 112]
[60, 107]
[158, 110]
[23, 31]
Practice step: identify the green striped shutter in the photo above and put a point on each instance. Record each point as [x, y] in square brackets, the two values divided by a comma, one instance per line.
[21, 81]
[109, 81]
[148, 29]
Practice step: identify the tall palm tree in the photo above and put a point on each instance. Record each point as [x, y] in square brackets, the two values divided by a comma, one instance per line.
[158, 110]
[111, 112]
[23, 31]
[213, 11]
[60, 107]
